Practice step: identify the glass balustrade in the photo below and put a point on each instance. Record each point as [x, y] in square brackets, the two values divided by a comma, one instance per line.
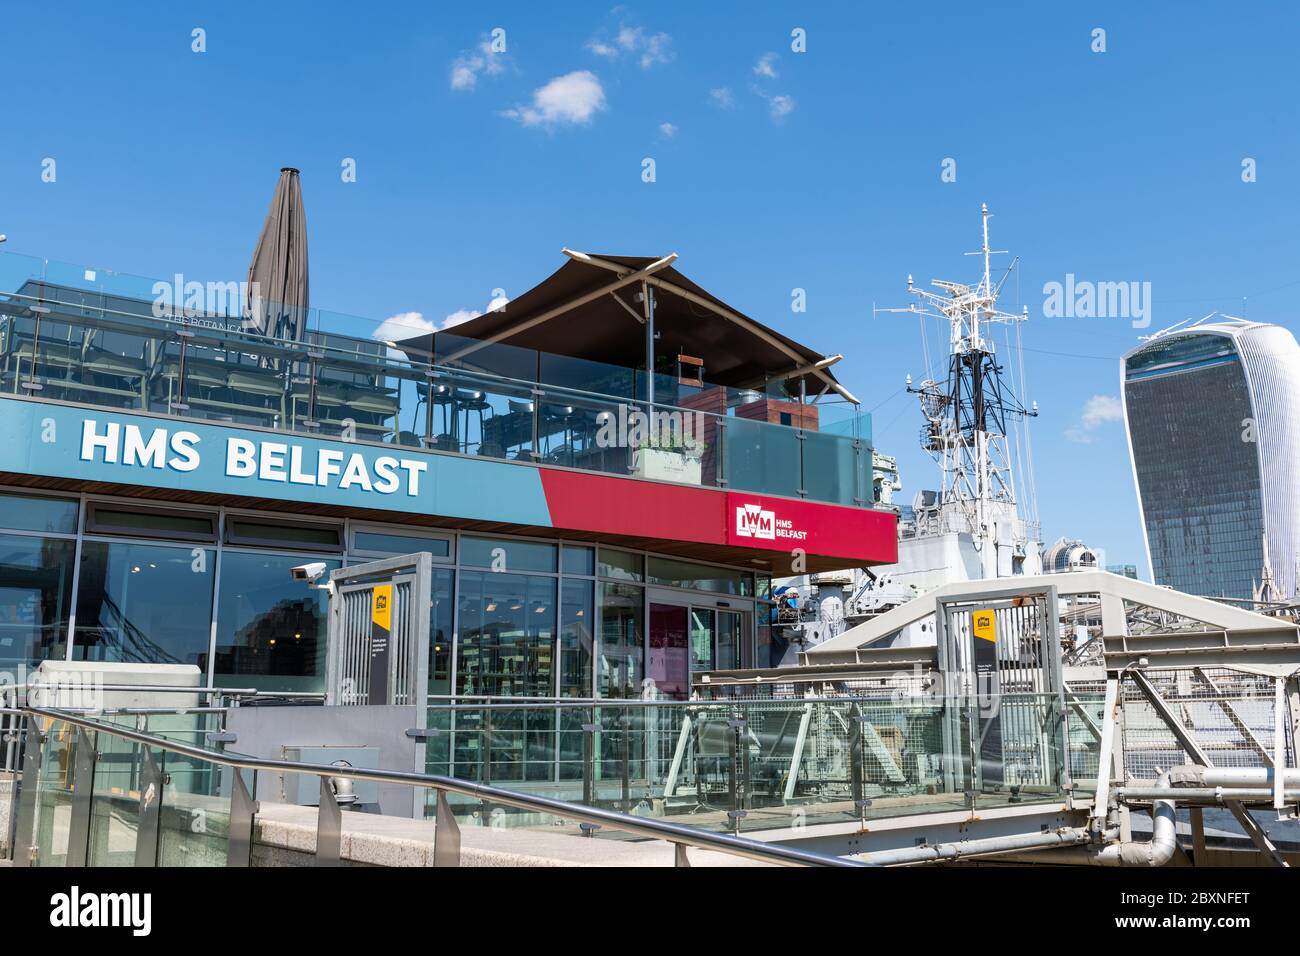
[95, 337]
[765, 763]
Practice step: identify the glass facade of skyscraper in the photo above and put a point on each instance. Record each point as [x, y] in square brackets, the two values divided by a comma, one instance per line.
[1190, 417]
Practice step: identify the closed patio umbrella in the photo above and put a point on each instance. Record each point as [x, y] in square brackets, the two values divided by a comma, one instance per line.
[277, 277]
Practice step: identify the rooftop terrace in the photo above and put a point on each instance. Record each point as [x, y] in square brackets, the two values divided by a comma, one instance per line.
[82, 335]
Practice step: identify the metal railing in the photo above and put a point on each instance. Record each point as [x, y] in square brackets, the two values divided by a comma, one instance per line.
[78, 788]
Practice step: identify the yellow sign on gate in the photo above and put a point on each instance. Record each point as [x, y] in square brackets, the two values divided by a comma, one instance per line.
[984, 623]
[381, 607]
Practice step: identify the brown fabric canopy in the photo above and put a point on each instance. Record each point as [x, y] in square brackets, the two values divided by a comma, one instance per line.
[278, 286]
[740, 353]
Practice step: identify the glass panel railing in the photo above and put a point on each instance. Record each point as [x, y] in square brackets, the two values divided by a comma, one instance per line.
[831, 467]
[762, 458]
[54, 794]
[755, 764]
[194, 817]
[115, 808]
[477, 414]
[96, 337]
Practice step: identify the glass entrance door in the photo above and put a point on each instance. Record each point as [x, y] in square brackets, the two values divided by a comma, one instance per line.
[686, 639]
[730, 640]
[668, 663]
[703, 628]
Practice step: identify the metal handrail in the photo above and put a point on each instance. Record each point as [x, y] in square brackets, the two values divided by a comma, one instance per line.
[616, 703]
[640, 826]
[55, 686]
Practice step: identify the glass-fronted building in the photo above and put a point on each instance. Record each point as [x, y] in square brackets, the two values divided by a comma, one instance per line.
[162, 474]
[1213, 419]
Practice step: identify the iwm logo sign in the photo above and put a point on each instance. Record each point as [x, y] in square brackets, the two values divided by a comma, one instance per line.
[755, 521]
[752, 521]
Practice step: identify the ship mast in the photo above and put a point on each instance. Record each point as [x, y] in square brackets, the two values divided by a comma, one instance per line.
[967, 415]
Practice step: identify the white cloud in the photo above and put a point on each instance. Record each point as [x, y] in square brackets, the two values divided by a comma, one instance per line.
[657, 49]
[650, 49]
[407, 325]
[780, 107]
[404, 325]
[465, 69]
[667, 130]
[570, 99]
[1097, 411]
[766, 66]
[629, 38]
[722, 97]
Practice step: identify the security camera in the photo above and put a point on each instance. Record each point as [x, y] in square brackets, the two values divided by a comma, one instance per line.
[312, 572]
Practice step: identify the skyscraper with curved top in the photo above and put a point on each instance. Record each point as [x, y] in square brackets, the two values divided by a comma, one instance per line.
[1212, 413]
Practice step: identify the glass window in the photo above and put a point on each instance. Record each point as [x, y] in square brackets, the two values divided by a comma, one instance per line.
[35, 600]
[764, 591]
[150, 523]
[440, 632]
[623, 565]
[578, 560]
[272, 534]
[143, 603]
[37, 513]
[576, 639]
[382, 542]
[505, 554]
[507, 635]
[622, 640]
[271, 629]
[700, 577]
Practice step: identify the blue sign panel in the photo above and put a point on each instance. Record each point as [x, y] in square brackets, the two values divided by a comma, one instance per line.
[94, 444]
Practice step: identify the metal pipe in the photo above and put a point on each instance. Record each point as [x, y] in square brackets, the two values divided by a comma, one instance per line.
[1154, 852]
[1212, 794]
[1235, 776]
[940, 852]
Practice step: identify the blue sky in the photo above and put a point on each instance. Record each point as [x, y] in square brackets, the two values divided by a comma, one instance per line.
[817, 170]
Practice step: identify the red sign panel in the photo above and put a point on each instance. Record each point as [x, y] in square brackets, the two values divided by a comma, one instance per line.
[780, 524]
[647, 509]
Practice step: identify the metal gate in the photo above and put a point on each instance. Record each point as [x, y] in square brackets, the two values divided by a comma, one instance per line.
[1001, 664]
[379, 633]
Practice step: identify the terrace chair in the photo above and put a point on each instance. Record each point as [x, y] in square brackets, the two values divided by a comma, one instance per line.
[329, 395]
[51, 354]
[559, 418]
[122, 375]
[469, 402]
[379, 402]
[440, 396]
[201, 377]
